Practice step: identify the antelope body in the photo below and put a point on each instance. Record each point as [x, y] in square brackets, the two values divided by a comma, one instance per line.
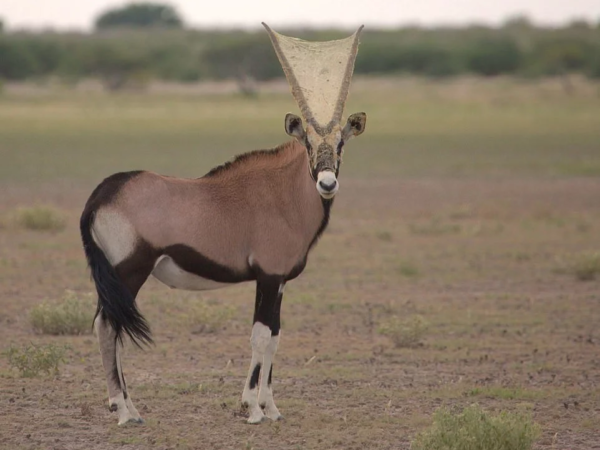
[253, 219]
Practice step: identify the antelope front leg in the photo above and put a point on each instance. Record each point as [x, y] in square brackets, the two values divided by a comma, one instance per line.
[266, 317]
[265, 395]
[261, 336]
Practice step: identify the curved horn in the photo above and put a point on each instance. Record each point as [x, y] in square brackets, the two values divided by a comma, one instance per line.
[319, 73]
[343, 95]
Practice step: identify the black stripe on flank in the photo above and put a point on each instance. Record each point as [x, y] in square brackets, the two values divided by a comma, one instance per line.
[194, 262]
[254, 377]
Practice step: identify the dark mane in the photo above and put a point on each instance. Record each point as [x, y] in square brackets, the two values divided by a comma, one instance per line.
[240, 159]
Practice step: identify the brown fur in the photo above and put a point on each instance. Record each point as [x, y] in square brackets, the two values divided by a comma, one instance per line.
[262, 204]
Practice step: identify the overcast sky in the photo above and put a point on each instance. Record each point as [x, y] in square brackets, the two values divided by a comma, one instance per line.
[80, 14]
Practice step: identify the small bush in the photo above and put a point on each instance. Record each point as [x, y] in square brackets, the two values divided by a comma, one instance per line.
[40, 218]
[72, 315]
[33, 359]
[405, 332]
[209, 319]
[474, 429]
[587, 267]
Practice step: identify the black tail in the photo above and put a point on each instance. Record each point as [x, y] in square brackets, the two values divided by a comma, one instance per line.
[115, 302]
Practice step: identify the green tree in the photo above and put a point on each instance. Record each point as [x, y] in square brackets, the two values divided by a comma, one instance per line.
[140, 15]
[495, 56]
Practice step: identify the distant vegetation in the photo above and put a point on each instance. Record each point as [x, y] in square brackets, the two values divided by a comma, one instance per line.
[140, 15]
[130, 48]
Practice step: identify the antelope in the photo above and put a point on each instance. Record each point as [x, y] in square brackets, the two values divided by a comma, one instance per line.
[252, 219]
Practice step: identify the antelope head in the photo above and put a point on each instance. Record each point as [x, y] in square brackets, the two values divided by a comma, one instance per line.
[325, 148]
[319, 74]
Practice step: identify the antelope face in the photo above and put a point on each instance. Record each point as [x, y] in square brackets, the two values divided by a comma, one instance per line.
[325, 147]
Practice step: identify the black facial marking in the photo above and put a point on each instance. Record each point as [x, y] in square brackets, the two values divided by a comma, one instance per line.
[270, 375]
[254, 377]
[356, 124]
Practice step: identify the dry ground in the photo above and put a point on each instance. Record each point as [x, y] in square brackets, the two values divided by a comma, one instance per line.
[480, 250]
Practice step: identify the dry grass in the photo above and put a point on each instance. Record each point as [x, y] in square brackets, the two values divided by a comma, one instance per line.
[499, 315]
[405, 332]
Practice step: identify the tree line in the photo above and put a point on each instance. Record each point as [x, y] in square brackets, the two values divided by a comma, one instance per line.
[120, 56]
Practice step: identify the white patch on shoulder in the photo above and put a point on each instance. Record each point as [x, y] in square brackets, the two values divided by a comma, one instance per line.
[168, 272]
[114, 235]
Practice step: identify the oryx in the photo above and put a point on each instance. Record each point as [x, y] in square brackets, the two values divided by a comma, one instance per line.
[252, 219]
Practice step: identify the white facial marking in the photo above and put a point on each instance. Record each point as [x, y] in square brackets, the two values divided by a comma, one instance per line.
[114, 235]
[166, 271]
[327, 178]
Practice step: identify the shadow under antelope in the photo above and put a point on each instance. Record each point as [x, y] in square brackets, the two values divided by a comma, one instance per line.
[252, 219]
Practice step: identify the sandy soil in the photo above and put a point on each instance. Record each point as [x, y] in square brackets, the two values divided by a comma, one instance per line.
[484, 262]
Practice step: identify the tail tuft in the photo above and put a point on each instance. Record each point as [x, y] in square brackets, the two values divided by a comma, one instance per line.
[115, 302]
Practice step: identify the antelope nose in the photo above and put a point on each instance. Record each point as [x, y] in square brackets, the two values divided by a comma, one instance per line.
[328, 184]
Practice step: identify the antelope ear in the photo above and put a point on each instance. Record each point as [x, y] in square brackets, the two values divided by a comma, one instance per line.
[294, 128]
[354, 126]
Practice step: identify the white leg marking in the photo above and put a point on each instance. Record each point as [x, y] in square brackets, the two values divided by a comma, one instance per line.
[265, 395]
[132, 409]
[260, 339]
[121, 407]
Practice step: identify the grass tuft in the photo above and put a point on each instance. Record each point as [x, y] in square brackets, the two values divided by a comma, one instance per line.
[31, 360]
[209, 319]
[587, 267]
[72, 315]
[474, 429]
[405, 332]
[40, 218]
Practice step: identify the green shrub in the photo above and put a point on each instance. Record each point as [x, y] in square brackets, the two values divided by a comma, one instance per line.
[40, 218]
[405, 332]
[72, 315]
[33, 359]
[474, 429]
